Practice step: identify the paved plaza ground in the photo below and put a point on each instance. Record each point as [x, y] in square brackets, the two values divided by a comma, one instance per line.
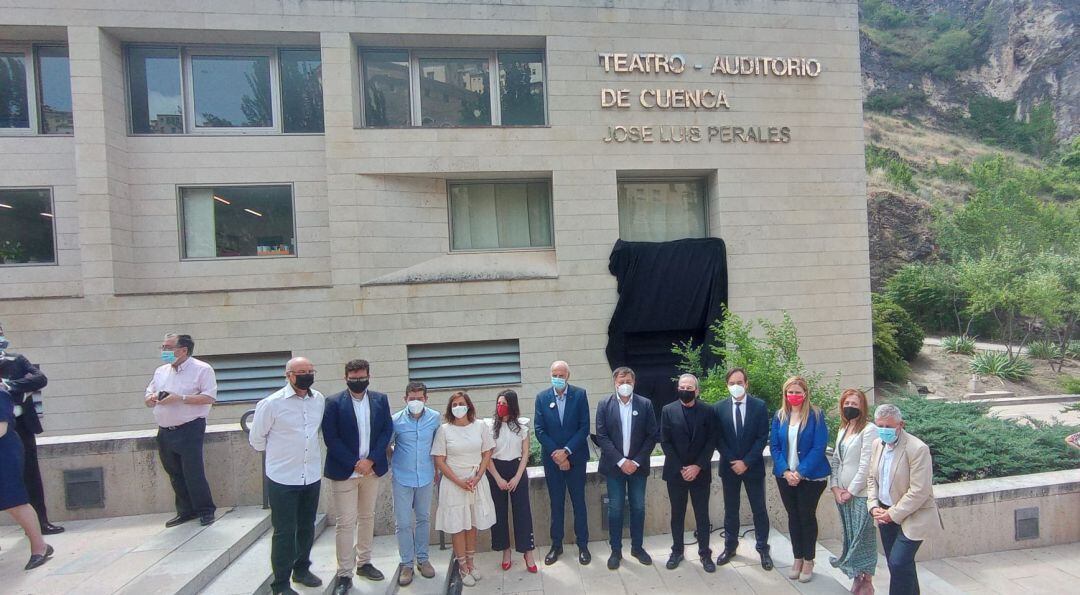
[137, 555]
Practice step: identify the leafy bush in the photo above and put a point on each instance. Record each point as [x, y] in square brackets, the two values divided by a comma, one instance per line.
[1000, 365]
[994, 122]
[1043, 350]
[960, 344]
[898, 172]
[888, 101]
[889, 364]
[966, 444]
[1073, 350]
[909, 337]
[931, 294]
[1071, 386]
[881, 14]
[954, 171]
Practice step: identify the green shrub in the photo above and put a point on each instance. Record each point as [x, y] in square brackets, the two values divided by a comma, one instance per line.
[1071, 385]
[931, 294]
[888, 101]
[909, 337]
[994, 122]
[1073, 350]
[898, 171]
[959, 344]
[954, 171]
[889, 364]
[1043, 350]
[966, 444]
[998, 364]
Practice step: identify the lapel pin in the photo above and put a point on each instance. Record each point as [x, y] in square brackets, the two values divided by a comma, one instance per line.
[635, 413]
[552, 405]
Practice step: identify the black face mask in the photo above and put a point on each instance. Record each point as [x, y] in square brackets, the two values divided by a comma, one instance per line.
[851, 413]
[358, 386]
[686, 395]
[303, 381]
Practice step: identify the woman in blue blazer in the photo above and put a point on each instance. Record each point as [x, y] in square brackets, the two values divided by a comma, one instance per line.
[797, 443]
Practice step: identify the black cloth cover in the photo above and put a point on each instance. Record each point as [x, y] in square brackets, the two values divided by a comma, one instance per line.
[668, 292]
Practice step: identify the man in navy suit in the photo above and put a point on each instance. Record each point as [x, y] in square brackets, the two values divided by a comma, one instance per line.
[562, 426]
[357, 428]
[743, 432]
[626, 431]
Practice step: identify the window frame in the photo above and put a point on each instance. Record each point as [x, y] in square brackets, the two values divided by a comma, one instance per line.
[703, 180]
[415, 101]
[181, 244]
[56, 247]
[29, 54]
[468, 181]
[39, 93]
[187, 88]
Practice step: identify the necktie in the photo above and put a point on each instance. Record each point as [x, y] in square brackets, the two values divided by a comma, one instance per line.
[738, 418]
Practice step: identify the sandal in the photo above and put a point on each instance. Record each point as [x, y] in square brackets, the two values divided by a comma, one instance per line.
[466, 578]
[472, 566]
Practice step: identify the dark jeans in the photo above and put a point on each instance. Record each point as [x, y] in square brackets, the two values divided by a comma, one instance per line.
[181, 452]
[699, 498]
[801, 504]
[504, 501]
[619, 486]
[755, 493]
[32, 472]
[900, 554]
[558, 484]
[292, 513]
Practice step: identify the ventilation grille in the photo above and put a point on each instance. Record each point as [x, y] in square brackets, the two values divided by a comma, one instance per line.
[462, 365]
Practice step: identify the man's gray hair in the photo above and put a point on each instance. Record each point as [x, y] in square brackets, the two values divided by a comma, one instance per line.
[696, 383]
[888, 410]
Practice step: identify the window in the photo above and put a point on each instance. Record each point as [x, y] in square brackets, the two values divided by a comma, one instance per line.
[177, 90]
[500, 215]
[35, 90]
[237, 221]
[453, 88]
[26, 226]
[248, 376]
[464, 365]
[662, 210]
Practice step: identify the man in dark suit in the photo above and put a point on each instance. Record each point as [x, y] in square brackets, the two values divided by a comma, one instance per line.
[743, 432]
[562, 426]
[23, 379]
[686, 435]
[357, 428]
[626, 432]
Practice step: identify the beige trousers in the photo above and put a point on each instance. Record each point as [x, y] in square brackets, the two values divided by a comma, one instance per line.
[354, 513]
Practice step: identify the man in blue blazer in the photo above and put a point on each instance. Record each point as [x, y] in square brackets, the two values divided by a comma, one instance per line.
[562, 426]
[357, 428]
[626, 431]
[743, 432]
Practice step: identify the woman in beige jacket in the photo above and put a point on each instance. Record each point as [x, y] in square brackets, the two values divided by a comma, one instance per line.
[850, 466]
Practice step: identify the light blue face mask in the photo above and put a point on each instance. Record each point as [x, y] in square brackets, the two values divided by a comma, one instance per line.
[168, 356]
[4, 343]
[887, 435]
[558, 383]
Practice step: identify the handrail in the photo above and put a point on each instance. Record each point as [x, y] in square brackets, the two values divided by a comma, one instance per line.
[244, 420]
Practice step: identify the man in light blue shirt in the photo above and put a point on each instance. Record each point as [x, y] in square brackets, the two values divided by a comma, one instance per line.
[413, 480]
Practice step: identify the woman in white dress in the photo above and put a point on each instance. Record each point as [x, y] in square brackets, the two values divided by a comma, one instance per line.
[462, 451]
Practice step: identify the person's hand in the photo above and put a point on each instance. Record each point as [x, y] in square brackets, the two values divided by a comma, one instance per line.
[629, 467]
[690, 472]
[364, 466]
[565, 465]
[876, 512]
[884, 518]
[151, 400]
[559, 456]
[503, 485]
[513, 483]
[738, 467]
[792, 478]
[838, 495]
[845, 496]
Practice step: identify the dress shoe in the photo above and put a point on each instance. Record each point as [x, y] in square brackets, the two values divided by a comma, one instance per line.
[369, 572]
[553, 555]
[179, 519]
[405, 576]
[307, 579]
[584, 557]
[766, 560]
[673, 561]
[342, 585]
[614, 559]
[426, 569]
[39, 559]
[642, 556]
[708, 564]
[48, 528]
[725, 557]
[206, 520]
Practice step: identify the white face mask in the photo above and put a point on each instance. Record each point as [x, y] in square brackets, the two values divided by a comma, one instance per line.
[415, 406]
[459, 411]
[625, 390]
[737, 391]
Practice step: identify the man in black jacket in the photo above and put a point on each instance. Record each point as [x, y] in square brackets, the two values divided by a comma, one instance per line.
[626, 432]
[686, 435]
[742, 433]
[23, 379]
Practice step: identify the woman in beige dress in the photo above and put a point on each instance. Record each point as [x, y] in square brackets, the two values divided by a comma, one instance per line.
[462, 451]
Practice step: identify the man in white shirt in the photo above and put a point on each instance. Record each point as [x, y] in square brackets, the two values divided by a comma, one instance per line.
[286, 426]
[181, 394]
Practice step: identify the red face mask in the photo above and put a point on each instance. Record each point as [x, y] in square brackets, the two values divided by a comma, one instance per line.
[795, 400]
[502, 410]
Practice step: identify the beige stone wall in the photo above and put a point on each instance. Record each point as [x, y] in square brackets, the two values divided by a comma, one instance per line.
[371, 206]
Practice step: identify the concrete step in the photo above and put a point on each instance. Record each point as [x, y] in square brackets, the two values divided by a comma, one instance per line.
[250, 572]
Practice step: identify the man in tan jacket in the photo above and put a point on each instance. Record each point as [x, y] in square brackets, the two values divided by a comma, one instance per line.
[900, 496]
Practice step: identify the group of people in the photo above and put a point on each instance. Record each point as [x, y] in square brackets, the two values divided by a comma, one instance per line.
[22, 494]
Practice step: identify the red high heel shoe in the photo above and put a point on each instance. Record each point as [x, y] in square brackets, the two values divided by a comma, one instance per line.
[507, 565]
[533, 569]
